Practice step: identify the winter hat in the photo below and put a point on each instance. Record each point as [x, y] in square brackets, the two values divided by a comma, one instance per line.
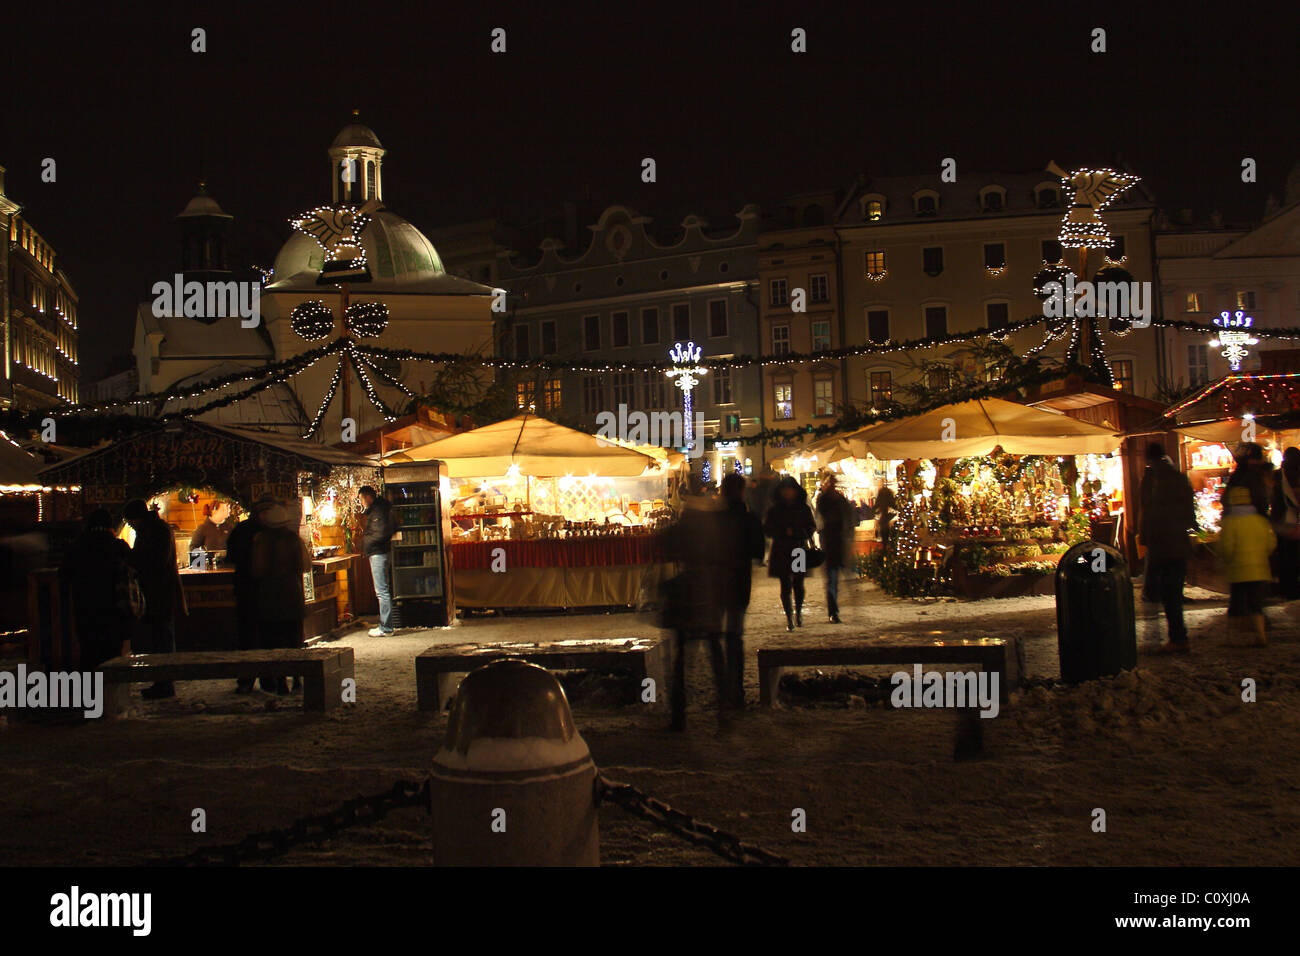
[275, 515]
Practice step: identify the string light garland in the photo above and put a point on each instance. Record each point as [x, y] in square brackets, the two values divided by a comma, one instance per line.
[383, 375]
[325, 402]
[369, 387]
[366, 319]
[312, 320]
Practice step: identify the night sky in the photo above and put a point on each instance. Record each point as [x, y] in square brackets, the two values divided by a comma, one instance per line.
[710, 90]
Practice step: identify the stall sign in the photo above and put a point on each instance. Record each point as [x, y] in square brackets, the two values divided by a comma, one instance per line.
[105, 496]
[278, 490]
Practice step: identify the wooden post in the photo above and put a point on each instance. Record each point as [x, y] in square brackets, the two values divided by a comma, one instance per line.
[347, 378]
[1085, 325]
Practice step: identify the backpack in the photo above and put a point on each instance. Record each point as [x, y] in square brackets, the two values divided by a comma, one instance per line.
[128, 597]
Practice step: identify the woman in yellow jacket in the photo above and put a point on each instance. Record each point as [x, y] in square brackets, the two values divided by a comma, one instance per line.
[1246, 540]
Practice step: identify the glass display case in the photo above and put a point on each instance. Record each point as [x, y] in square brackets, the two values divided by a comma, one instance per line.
[421, 571]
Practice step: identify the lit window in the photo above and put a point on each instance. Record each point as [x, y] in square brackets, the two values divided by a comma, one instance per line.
[882, 388]
[1123, 372]
[1192, 302]
[525, 394]
[823, 397]
[875, 210]
[875, 261]
[1246, 300]
[785, 401]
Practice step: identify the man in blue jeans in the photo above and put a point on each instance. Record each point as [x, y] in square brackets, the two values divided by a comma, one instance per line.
[374, 545]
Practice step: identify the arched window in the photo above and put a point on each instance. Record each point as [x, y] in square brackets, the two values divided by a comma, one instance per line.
[370, 180]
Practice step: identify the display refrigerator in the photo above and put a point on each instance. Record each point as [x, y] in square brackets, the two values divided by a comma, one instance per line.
[421, 568]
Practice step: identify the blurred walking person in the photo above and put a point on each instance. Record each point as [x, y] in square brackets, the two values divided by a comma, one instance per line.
[239, 553]
[1246, 539]
[790, 525]
[278, 560]
[100, 577]
[154, 558]
[1286, 519]
[1168, 515]
[836, 518]
[742, 543]
[693, 607]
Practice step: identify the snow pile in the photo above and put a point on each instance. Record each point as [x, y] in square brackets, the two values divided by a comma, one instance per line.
[499, 754]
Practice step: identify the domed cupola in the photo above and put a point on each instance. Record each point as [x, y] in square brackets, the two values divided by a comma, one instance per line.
[203, 237]
[356, 161]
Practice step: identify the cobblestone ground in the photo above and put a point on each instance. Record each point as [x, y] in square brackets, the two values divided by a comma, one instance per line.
[1186, 771]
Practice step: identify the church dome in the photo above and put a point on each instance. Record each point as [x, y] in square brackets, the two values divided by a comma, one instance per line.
[356, 134]
[202, 205]
[398, 255]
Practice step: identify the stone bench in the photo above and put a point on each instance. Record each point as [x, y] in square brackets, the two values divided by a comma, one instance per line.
[322, 669]
[436, 668]
[1003, 655]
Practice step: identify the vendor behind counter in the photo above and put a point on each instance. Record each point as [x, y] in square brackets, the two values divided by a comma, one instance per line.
[215, 528]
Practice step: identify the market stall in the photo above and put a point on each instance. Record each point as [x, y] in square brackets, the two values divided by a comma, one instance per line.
[182, 469]
[1211, 424]
[992, 491]
[546, 516]
[861, 479]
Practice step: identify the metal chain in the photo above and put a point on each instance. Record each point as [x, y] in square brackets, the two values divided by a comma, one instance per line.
[359, 811]
[685, 826]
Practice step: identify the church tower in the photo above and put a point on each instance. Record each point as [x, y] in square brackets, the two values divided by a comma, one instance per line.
[356, 160]
[203, 239]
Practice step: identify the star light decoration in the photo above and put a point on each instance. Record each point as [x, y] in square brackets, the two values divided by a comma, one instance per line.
[337, 230]
[1091, 191]
[687, 371]
[1234, 335]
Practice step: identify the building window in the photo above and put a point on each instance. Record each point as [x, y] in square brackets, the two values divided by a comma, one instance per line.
[995, 255]
[823, 397]
[878, 325]
[784, 394]
[875, 210]
[548, 337]
[623, 388]
[1198, 364]
[939, 379]
[717, 318]
[1047, 198]
[525, 394]
[882, 388]
[1116, 251]
[927, 205]
[682, 322]
[1052, 252]
[932, 260]
[650, 326]
[780, 340]
[780, 291]
[521, 341]
[997, 315]
[936, 321]
[593, 394]
[821, 335]
[993, 201]
[1123, 372]
[553, 395]
[619, 332]
[721, 385]
[591, 333]
[652, 386]
[1192, 303]
[875, 262]
[1246, 300]
[819, 288]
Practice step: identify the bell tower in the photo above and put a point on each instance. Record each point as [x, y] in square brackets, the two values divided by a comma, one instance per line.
[356, 164]
[203, 238]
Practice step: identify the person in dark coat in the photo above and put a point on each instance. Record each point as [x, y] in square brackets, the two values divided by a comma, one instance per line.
[214, 533]
[695, 542]
[884, 509]
[790, 525]
[837, 519]
[1168, 515]
[742, 543]
[380, 528]
[278, 560]
[1286, 521]
[92, 568]
[239, 553]
[154, 558]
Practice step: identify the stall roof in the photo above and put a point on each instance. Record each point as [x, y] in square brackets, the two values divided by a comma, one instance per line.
[1212, 402]
[17, 468]
[541, 449]
[979, 426]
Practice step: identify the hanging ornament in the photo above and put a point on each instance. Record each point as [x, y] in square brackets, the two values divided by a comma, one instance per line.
[312, 320]
[366, 319]
[1050, 274]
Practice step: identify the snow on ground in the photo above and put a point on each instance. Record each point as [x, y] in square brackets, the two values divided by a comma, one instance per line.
[1187, 773]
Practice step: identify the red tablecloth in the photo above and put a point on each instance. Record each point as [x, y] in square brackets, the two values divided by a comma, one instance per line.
[560, 553]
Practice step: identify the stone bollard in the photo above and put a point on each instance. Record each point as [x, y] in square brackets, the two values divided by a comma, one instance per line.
[514, 782]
